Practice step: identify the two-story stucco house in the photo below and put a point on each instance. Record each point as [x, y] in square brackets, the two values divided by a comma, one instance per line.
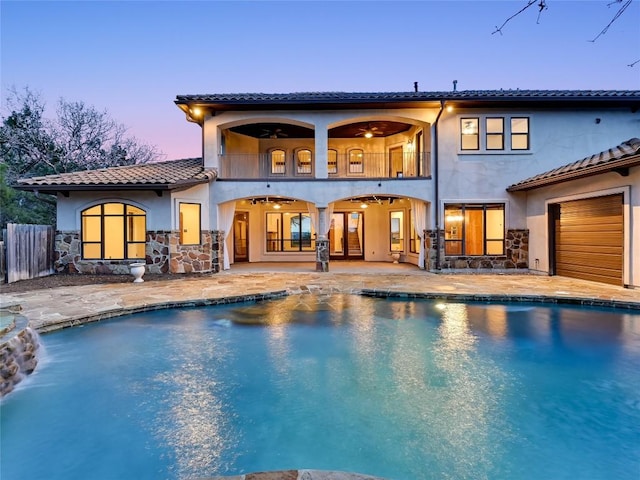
[540, 181]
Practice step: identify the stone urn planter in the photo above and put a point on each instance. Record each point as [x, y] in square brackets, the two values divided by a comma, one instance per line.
[395, 256]
[137, 270]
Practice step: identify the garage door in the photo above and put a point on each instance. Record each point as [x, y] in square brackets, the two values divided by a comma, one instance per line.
[589, 239]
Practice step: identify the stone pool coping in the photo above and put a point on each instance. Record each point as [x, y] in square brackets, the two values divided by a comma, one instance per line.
[54, 309]
[501, 298]
[149, 307]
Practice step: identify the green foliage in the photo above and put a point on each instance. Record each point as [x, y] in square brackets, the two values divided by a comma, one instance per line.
[78, 138]
[24, 207]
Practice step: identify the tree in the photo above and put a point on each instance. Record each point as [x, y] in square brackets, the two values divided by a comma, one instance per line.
[24, 207]
[78, 138]
[541, 5]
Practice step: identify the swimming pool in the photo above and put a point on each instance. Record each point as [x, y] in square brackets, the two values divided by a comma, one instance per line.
[392, 388]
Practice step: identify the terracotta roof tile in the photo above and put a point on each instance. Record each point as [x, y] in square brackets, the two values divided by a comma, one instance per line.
[316, 97]
[625, 155]
[168, 175]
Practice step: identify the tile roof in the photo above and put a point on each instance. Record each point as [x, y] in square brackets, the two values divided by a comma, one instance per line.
[162, 175]
[339, 97]
[622, 157]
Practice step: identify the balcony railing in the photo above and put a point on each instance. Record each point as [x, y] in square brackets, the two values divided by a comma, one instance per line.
[364, 165]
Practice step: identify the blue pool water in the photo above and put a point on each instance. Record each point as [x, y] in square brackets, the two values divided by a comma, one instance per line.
[398, 389]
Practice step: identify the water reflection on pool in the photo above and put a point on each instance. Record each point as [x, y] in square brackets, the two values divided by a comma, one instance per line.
[392, 388]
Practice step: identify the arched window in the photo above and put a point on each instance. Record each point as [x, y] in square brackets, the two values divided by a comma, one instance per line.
[332, 161]
[115, 231]
[277, 162]
[303, 162]
[356, 161]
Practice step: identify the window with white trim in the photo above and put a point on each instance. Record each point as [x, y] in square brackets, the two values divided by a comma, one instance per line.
[474, 229]
[332, 161]
[494, 134]
[356, 161]
[277, 162]
[519, 133]
[190, 220]
[114, 231]
[396, 231]
[469, 139]
[289, 232]
[303, 162]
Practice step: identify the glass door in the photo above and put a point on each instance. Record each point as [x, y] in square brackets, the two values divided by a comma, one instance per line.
[346, 236]
[241, 237]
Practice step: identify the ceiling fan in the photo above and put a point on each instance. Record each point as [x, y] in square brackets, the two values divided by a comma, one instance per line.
[369, 131]
[275, 133]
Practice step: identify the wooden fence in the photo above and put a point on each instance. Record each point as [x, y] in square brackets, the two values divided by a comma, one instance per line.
[29, 251]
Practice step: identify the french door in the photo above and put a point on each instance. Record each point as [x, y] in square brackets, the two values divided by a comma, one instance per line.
[241, 237]
[346, 236]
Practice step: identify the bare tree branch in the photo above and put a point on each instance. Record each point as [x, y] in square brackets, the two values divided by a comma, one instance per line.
[79, 138]
[542, 5]
[615, 17]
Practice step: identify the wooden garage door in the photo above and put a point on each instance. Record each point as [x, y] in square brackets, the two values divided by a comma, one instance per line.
[589, 239]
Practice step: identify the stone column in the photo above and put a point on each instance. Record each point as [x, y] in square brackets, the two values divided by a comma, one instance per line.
[322, 243]
[322, 255]
[217, 251]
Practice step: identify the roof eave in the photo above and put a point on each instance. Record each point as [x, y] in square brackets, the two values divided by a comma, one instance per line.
[459, 99]
[110, 187]
[624, 163]
[242, 106]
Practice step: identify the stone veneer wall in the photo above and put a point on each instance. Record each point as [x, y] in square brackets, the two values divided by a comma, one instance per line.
[182, 258]
[516, 255]
[17, 359]
[217, 251]
[163, 254]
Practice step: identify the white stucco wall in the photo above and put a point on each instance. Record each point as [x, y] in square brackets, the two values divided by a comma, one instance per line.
[322, 193]
[158, 208]
[556, 138]
[161, 211]
[605, 184]
[197, 194]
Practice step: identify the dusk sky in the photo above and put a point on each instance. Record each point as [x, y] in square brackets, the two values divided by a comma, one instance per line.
[133, 58]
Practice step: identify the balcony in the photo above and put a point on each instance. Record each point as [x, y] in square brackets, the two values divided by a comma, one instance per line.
[362, 165]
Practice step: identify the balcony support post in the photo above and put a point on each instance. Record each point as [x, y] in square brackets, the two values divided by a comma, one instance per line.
[211, 141]
[321, 147]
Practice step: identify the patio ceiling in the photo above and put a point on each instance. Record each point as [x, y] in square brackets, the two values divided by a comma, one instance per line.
[352, 130]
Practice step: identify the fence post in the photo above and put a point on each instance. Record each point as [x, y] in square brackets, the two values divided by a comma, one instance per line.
[3, 253]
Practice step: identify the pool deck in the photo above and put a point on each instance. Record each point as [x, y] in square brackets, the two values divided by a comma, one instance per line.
[52, 309]
[57, 308]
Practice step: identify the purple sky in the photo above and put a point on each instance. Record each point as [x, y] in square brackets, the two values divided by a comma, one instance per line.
[133, 58]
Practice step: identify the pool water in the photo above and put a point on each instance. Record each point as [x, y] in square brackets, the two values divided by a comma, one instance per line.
[392, 388]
